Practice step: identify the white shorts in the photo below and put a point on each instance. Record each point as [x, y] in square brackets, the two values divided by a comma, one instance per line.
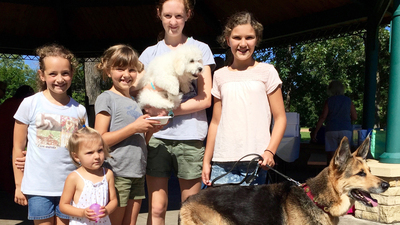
[333, 138]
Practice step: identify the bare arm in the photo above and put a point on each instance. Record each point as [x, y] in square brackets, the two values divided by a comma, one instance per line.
[140, 125]
[203, 98]
[68, 195]
[353, 112]
[20, 138]
[321, 120]
[200, 102]
[212, 133]
[278, 112]
[112, 195]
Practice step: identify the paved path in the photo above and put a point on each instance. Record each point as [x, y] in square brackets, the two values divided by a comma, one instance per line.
[13, 214]
[172, 219]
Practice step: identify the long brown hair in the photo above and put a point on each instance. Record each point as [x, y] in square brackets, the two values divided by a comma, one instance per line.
[54, 50]
[239, 18]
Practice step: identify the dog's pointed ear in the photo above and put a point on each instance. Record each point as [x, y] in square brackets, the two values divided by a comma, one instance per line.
[342, 154]
[179, 64]
[363, 150]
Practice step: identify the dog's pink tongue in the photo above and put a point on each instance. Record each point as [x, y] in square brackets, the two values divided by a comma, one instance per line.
[374, 202]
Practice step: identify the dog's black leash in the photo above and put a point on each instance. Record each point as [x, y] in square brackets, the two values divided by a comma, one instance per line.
[286, 177]
[249, 178]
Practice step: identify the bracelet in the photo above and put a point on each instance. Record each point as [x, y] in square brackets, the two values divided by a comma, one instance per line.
[270, 152]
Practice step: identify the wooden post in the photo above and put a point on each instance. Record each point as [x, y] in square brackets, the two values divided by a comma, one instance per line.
[92, 85]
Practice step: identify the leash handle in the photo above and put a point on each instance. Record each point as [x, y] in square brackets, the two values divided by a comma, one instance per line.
[258, 157]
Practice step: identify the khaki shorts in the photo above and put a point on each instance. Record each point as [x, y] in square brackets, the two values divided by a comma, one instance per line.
[129, 188]
[184, 158]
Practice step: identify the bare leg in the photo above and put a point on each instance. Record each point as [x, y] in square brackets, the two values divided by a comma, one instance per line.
[118, 215]
[189, 187]
[50, 221]
[157, 188]
[60, 221]
[132, 212]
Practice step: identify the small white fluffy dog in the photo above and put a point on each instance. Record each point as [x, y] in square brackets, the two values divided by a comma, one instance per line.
[172, 72]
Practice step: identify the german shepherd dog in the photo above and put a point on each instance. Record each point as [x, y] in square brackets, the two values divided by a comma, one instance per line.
[321, 200]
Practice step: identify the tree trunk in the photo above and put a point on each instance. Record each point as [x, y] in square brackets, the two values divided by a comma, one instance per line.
[92, 84]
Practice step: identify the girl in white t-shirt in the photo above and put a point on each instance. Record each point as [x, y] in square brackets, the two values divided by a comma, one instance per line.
[90, 183]
[178, 147]
[245, 94]
[43, 123]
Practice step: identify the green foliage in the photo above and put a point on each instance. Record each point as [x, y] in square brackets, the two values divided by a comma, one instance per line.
[15, 73]
[78, 85]
[307, 69]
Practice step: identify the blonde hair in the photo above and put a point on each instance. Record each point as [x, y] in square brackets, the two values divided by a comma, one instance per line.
[84, 134]
[53, 50]
[119, 56]
[335, 87]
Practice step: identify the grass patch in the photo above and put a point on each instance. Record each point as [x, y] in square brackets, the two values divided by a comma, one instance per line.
[305, 134]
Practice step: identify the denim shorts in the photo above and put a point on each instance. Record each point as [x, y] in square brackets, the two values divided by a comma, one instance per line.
[44, 207]
[237, 174]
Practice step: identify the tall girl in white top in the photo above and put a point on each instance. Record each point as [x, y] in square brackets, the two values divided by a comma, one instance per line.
[245, 93]
[184, 134]
[43, 123]
[90, 183]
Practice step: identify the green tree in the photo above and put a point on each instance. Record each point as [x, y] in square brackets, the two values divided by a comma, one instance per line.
[15, 73]
[78, 90]
[307, 69]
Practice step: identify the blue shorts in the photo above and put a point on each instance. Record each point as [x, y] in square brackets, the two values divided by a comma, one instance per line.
[237, 174]
[44, 207]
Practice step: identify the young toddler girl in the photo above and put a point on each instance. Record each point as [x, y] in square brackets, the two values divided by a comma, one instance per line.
[90, 183]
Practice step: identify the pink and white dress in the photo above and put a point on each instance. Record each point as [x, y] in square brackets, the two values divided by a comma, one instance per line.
[91, 193]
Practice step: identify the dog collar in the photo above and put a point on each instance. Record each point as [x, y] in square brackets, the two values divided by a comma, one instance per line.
[152, 85]
[311, 196]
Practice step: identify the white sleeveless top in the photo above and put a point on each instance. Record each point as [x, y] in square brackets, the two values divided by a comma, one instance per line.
[91, 193]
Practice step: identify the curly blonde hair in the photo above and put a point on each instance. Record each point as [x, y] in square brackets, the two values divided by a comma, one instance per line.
[53, 50]
[119, 56]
